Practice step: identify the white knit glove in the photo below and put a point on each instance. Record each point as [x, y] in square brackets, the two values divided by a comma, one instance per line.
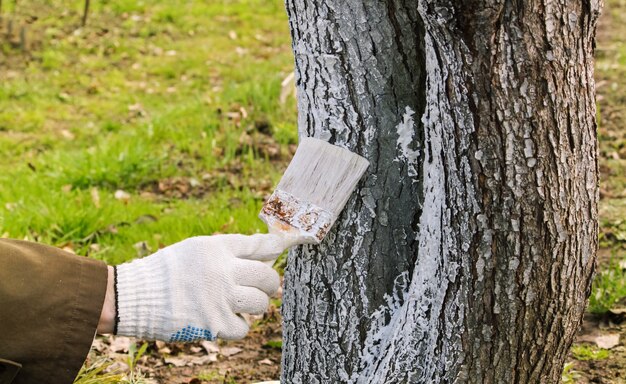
[195, 289]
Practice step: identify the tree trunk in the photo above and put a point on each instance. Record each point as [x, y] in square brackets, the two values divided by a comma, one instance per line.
[467, 253]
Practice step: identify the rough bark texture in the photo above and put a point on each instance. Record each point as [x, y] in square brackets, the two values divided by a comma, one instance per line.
[467, 253]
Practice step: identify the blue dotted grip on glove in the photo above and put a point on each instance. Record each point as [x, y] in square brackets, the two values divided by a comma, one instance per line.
[190, 333]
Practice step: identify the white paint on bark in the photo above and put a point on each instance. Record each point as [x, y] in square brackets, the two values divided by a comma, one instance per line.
[406, 132]
[416, 319]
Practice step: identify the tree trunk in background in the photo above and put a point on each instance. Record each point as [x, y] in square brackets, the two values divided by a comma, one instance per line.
[467, 253]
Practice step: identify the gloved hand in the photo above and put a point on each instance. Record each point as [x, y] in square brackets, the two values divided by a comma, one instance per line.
[196, 288]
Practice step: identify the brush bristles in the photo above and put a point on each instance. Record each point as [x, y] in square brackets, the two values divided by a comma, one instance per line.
[323, 174]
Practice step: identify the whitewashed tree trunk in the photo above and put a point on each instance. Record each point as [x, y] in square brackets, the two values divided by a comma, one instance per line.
[467, 254]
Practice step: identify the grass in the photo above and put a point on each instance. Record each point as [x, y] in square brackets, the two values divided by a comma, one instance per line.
[96, 373]
[276, 344]
[134, 375]
[215, 377]
[609, 286]
[586, 352]
[148, 92]
[569, 375]
[101, 372]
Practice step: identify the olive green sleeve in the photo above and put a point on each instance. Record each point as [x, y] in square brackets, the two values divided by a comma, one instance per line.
[50, 304]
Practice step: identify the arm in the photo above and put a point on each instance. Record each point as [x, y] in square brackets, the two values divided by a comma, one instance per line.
[50, 303]
[107, 317]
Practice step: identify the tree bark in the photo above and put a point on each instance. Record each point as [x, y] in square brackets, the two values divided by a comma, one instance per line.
[467, 253]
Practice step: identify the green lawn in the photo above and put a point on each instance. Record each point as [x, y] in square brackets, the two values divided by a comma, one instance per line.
[175, 103]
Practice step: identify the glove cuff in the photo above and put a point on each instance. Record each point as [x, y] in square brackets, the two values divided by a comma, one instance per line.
[143, 300]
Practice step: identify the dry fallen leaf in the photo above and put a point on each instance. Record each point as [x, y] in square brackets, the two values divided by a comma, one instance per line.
[136, 110]
[147, 195]
[99, 345]
[119, 343]
[202, 360]
[135, 107]
[165, 351]
[266, 362]
[146, 219]
[288, 87]
[143, 248]
[230, 351]
[95, 197]
[176, 361]
[122, 195]
[607, 341]
[210, 346]
[187, 360]
[67, 134]
[68, 248]
[118, 366]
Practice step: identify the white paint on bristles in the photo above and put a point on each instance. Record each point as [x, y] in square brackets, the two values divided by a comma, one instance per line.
[307, 222]
[323, 174]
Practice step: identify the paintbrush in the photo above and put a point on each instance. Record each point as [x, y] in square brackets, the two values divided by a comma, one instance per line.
[314, 189]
